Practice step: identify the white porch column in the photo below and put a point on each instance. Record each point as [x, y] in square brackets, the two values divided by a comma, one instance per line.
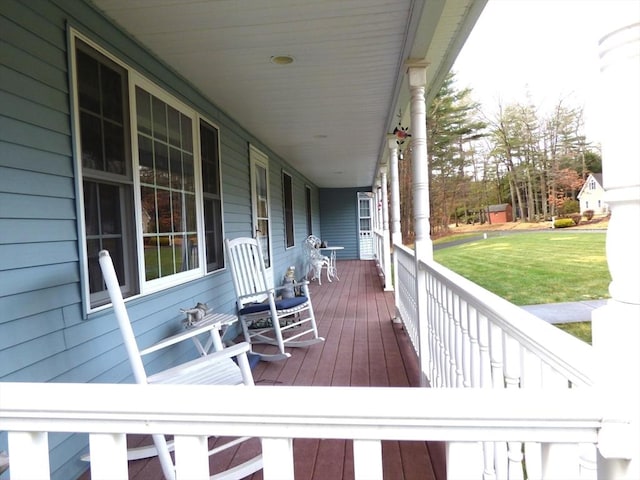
[417, 74]
[394, 180]
[386, 242]
[616, 326]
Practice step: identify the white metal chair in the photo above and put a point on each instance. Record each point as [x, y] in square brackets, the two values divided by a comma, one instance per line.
[216, 368]
[264, 316]
[315, 260]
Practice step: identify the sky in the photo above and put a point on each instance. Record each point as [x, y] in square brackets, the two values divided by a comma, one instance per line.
[545, 48]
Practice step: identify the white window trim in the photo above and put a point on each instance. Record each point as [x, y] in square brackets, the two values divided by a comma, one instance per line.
[152, 286]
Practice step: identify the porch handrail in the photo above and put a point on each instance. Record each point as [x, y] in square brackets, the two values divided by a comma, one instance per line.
[107, 412]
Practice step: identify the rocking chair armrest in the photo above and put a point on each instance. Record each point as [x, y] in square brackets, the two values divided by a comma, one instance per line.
[184, 335]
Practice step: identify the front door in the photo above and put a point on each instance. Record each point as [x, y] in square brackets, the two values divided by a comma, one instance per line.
[365, 226]
[260, 206]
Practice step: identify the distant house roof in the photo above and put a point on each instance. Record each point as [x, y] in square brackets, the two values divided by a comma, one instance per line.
[596, 176]
[498, 208]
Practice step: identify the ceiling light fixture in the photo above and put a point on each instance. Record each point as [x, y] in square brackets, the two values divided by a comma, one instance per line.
[282, 59]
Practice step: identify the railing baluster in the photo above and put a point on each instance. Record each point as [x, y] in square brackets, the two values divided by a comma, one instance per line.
[452, 322]
[486, 382]
[437, 337]
[277, 455]
[367, 459]
[192, 460]
[466, 343]
[557, 461]
[483, 348]
[108, 456]
[474, 347]
[512, 369]
[29, 452]
[531, 378]
[496, 355]
[459, 343]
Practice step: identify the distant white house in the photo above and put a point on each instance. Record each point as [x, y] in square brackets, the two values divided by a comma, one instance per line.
[591, 195]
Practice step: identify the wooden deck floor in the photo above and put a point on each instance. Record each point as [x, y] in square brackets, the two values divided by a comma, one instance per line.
[362, 348]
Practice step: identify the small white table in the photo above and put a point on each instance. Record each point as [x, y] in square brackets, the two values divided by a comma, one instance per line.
[212, 323]
[332, 270]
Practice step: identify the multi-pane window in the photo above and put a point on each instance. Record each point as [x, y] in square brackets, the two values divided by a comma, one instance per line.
[106, 166]
[365, 214]
[167, 187]
[211, 188]
[141, 173]
[307, 191]
[287, 194]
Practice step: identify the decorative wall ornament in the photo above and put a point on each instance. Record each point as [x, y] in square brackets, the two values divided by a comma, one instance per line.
[401, 133]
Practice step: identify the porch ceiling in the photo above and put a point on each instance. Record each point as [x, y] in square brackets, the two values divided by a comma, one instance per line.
[327, 113]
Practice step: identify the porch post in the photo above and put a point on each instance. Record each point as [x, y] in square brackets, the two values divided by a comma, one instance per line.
[394, 180]
[616, 326]
[386, 242]
[417, 73]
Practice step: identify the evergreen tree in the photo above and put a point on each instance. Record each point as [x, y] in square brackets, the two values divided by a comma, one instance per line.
[452, 127]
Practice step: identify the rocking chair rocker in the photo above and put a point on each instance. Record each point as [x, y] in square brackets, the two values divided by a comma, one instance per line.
[287, 322]
[216, 368]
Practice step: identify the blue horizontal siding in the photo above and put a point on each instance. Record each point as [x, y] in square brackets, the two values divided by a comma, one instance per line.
[22, 255]
[37, 301]
[33, 113]
[15, 333]
[25, 158]
[339, 219]
[21, 85]
[36, 206]
[41, 277]
[22, 230]
[29, 183]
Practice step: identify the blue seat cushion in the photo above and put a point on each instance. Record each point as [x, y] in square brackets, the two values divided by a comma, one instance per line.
[284, 304]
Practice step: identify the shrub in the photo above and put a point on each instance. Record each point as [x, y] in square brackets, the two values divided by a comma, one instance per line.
[563, 223]
[576, 217]
[569, 206]
[588, 214]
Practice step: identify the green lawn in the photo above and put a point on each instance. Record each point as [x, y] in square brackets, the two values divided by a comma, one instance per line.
[533, 268]
[453, 238]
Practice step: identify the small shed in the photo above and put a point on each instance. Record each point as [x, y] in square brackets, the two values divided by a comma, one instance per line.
[591, 195]
[501, 213]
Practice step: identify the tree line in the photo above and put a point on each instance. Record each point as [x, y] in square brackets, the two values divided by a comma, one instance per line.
[535, 162]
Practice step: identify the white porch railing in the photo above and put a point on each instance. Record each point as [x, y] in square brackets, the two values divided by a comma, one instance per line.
[379, 251]
[107, 413]
[470, 337]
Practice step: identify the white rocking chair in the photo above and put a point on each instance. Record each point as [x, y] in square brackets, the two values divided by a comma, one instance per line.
[215, 368]
[266, 318]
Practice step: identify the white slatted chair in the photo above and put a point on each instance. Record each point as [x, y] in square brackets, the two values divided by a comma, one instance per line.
[288, 322]
[315, 260]
[216, 368]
